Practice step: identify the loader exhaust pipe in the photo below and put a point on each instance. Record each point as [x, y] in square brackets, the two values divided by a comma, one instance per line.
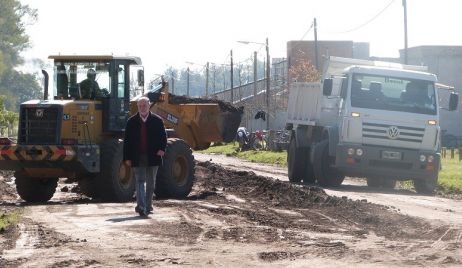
[45, 85]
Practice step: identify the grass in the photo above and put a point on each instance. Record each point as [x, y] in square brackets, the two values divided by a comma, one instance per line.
[450, 177]
[268, 157]
[6, 219]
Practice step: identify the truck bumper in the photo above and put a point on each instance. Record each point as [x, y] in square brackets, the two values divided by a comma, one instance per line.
[377, 161]
[51, 160]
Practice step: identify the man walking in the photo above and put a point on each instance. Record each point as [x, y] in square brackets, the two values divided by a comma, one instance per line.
[144, 146]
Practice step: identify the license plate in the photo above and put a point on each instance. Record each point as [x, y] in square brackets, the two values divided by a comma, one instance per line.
[391, 155]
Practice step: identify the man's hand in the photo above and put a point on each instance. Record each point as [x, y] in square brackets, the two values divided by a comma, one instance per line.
[160, 153]
[128, 163]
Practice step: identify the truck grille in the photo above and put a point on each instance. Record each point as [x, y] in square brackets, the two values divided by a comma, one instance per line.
[393, 132]
[39, 125]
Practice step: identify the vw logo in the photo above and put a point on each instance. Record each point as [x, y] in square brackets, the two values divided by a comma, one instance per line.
[393, 132]
[39, 113]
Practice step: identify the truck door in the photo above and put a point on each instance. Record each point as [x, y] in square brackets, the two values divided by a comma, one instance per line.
[116, 108]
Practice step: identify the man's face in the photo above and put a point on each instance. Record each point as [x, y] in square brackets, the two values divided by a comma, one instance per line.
[143, 107]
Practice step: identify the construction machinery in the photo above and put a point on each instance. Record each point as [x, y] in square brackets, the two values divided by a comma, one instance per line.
[82, 139]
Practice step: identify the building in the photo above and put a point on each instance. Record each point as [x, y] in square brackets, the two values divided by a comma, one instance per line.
[446, 63]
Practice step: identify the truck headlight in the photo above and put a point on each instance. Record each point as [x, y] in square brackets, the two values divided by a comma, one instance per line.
[430, 158]
[359, 152]
[422, 158]
[350, 151]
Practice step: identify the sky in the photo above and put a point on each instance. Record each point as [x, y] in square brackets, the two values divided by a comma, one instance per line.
[189, 33]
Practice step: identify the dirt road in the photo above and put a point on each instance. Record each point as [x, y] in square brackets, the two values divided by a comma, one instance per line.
[236, 218]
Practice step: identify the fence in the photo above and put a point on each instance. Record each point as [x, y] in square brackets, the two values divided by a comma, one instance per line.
[451, 153]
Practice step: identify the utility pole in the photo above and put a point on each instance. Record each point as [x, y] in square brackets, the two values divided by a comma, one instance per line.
[405, 31]
[255, 76]
[187, 82]
[214, 74]
[207, 80]
[173, 82]
[267, 85]
[316, 43]
[232, 91]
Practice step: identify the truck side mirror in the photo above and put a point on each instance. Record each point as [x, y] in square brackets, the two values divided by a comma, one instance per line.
[327, 87]
[140, 78]
[453, 101]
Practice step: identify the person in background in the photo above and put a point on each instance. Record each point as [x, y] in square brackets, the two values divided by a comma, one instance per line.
[144, 146]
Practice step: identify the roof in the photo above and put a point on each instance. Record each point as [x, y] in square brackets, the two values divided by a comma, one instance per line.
[136, 60]
[392, 72]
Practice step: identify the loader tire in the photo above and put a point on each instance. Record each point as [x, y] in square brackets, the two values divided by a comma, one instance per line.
[176, 176]
[325, 174]
[35, 189]
[115, 181]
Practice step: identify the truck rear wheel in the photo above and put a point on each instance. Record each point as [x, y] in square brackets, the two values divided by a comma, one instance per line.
[426, 186]
[35, 189]
[115, 181]
[176, 175]
[325, 174]
[294, 162]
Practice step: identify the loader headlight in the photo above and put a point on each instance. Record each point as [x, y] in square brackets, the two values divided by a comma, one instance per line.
[359, 152]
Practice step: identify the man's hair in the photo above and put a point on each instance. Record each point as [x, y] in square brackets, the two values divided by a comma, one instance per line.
[143, 99]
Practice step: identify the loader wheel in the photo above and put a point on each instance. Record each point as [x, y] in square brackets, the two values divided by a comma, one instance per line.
[35, 189]
[426, 186]
[325, 174]
[115, 182]
[176, 175]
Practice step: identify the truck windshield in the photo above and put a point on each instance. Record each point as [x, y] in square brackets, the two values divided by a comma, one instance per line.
[81, 80]
[393, 94]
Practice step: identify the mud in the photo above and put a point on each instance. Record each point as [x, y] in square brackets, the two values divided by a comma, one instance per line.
[231, 218]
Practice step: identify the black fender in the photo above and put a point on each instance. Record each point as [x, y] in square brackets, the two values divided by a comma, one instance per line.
[331, 133]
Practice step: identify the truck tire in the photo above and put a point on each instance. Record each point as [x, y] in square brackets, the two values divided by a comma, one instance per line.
[295, 162]
[35, 189]
[176, 176]
[426, 186]
[115, 181]
[324, 173]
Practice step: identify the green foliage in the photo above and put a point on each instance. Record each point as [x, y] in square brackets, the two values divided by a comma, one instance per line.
[268, 157]
[6, 219]
[16, 86]
[450, 177]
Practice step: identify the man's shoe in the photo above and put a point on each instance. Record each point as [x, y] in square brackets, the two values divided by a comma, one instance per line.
[138, 209]
[149, 210]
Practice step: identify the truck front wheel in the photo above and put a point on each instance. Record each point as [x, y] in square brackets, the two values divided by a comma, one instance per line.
[324, 172]
[426, 186]
[35, 189]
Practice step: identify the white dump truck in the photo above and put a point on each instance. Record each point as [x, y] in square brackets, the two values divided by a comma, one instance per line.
[368, 119]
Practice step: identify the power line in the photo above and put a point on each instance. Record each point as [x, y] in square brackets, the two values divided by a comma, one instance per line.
[307, 31]
[368, 21]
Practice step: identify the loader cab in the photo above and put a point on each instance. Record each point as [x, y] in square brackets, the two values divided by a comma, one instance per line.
[108, 81]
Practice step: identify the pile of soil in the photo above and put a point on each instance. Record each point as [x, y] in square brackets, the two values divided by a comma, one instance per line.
[360, 216]
[231, 116]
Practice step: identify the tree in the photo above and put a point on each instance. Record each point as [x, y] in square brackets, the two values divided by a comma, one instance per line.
[304, 71]
[16, 86]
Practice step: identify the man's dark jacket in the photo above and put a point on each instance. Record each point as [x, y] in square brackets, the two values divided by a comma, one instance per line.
[156, 139]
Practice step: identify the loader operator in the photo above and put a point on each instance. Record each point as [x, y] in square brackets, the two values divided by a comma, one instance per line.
[89, 88]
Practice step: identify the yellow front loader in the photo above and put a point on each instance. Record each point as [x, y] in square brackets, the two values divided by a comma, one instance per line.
[81, 139]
